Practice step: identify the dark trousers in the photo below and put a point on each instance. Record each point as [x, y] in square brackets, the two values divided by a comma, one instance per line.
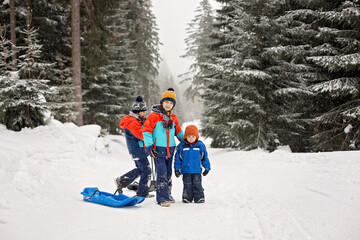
[142, 169]
[163, 178]
[193, 189]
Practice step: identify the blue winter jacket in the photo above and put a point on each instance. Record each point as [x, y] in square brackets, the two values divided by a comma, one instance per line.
[190, 158]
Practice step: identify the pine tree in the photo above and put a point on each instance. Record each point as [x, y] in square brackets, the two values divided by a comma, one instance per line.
[214, 124]
[116, 79]
[146, 46]
[5, 74]
[25, 91]
[289, 96]
[325, 37]
[239, 93]
[53, 29]
[97, 87]
[338, 92]
[198, 42]
[61, 100]
[123, 63]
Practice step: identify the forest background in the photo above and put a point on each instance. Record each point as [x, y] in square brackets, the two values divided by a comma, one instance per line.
[266, 72]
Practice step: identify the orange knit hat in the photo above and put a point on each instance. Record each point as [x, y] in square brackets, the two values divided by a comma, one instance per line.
[169, 95]
[191, 130]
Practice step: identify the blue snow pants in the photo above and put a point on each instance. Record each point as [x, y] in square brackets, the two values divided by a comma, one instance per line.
[163, 178]
[193, 189]
[143, 169]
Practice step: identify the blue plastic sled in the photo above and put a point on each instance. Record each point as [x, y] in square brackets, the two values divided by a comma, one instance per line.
[94, 195]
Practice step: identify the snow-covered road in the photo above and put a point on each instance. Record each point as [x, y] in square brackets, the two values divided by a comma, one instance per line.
[249, 195]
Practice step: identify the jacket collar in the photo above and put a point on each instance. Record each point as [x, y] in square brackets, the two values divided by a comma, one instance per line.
[191, 144]
[159, 109]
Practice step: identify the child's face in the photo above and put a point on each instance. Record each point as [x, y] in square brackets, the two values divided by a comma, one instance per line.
[168, 105]
[142, 114]
[191, 138]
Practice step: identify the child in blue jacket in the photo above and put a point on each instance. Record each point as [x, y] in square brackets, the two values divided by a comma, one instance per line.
[133, 127]
[190, 156]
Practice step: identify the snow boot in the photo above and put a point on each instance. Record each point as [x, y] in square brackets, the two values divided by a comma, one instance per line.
[121, 183]
[171, 200]
[164, 204]
[201, 200]
[133, 186]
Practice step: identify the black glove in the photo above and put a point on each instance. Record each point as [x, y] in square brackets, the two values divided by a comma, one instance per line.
[205, 172]
[177, 173]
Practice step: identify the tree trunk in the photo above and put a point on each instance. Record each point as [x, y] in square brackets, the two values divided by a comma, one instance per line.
[13, 34]
[76, 58]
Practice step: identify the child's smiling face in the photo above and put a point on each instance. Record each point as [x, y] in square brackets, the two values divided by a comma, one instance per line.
[142, 114]
[168, 105]
[191, 138]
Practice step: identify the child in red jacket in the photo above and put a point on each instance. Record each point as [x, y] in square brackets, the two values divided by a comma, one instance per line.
[133, 126]
[160, 129]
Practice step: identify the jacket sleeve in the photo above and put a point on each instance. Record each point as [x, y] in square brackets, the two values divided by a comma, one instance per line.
[123, 122]
[136, 129]
[204, 158]
[133, 125]
[178, 132]
[178, 158]
[149, 126]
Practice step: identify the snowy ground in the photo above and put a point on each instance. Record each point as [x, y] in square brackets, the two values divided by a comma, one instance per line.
[249, 195]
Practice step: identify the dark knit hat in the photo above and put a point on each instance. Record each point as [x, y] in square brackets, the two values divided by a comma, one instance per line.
[169, 95]
[191, 130]
[139, 105]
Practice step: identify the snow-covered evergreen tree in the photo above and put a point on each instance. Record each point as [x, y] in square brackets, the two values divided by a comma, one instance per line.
[5, 67]
[325, 37]
[26, 89]
[146, 46]
[239, 92]
[129, 56]
[198, 43]
[53, 29]
[337, 55]
[115, 84]
[62, 98]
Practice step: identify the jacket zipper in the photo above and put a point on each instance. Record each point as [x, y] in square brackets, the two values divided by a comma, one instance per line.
[168, 142]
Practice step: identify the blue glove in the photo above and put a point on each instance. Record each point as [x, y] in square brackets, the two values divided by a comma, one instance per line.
[177, 174]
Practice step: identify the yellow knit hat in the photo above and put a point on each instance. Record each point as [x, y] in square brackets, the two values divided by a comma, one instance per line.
[169, 95]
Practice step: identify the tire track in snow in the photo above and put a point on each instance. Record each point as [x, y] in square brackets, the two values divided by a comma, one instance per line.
[297, 224]
[258, 219]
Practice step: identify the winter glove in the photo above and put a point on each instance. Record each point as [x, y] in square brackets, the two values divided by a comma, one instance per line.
[205, 172]
[153, 152]
[177, 173]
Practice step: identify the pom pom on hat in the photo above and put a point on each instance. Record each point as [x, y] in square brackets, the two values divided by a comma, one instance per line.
[139, 99]
[191, 130]
[138, 105]
[169, 95]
